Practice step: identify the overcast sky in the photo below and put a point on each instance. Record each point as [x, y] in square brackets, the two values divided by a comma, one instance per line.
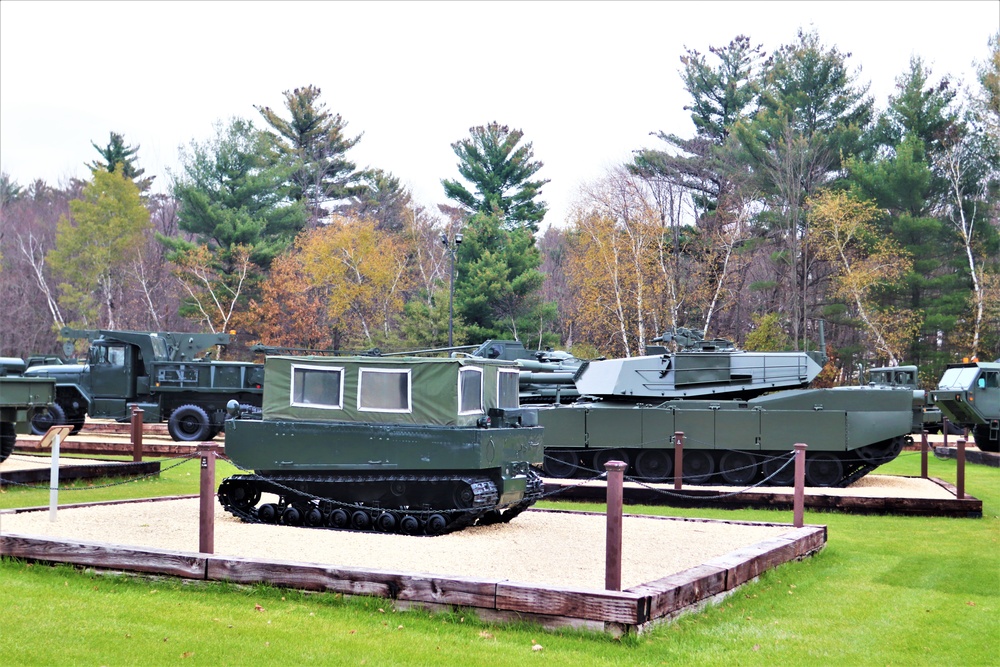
[586, 81]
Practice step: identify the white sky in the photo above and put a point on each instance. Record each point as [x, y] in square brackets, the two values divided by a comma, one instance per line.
[586, 81]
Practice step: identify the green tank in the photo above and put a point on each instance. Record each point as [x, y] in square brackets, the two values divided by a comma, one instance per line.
[740, 413]
[409, 445]
[969, 394]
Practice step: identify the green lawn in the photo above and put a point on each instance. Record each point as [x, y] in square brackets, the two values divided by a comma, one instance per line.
[885, 591]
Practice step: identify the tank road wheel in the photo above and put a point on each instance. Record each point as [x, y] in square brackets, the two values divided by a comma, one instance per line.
[602, 456]
[291, 516]
[738, 468]
[982, 436]
[435, 524]
[774, 463]
[386, 522]
[268, 513]
[654, 465]
[823, 469]
[338, 519]
[698, 467]
[360, 520]
[561, 463]
[189, 423]
[53, 415]
[409, 525]
[8, 436]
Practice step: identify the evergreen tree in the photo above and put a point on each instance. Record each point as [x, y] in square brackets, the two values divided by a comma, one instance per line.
[500, 172]
[314, 142]
[117, 153]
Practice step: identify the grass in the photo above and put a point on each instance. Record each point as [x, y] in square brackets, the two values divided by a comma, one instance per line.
[887, 590]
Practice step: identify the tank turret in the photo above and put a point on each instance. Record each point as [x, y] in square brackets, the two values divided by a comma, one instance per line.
[700, 369]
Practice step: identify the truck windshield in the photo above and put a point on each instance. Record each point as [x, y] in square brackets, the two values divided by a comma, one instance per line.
[958, 378]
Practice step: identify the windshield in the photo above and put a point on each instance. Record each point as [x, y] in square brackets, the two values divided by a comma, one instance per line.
[958, 378]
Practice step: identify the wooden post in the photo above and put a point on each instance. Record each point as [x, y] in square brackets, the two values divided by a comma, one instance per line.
[923, 454]
[798, 503]
[206, 513]
[678, 459]
[945, 426]
[136, 433]
[961, 469]
[613, 550]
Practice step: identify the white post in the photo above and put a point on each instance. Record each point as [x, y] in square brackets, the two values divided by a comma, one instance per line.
[54, 479]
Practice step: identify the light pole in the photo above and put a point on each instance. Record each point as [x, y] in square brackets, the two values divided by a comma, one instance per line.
[452, 247]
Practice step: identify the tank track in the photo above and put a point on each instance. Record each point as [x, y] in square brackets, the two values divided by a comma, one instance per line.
[854, 464]
[332, 501]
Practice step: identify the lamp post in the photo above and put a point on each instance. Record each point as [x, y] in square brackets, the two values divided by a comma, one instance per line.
[452, 247]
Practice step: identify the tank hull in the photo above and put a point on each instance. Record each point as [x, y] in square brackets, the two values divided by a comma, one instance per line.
[857, 427]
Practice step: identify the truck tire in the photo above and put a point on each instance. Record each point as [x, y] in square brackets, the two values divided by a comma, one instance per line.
[8, 436]
[189, 423]
[982, 436]
[53, 415]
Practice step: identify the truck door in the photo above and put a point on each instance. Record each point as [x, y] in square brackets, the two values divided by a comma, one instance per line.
[111, 379]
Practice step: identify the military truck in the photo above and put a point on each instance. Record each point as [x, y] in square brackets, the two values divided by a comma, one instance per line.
[169, 375]
[20, 399]
[408, 445]
[969, 394]
[926, 415]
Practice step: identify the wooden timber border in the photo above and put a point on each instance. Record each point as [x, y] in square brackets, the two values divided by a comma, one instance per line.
[496, 600]
[991, 459]
[967, 507]
[69, 473]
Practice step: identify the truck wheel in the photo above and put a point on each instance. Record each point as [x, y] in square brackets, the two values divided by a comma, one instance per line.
[53, 415]
[189, 423]
[982, 435]
[8, 436]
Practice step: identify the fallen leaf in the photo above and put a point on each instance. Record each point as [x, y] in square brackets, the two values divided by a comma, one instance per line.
[399, 627]
[756, 647]
[381, 611]
[971, 603]
[187, 654]
[537, 647]
[257, 607]
[485, 635]
[351, 632]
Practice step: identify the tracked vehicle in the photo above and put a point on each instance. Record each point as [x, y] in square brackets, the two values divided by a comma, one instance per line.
[407, 445]
[740, 412]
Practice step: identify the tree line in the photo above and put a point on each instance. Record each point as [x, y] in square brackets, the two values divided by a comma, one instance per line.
[796, 201]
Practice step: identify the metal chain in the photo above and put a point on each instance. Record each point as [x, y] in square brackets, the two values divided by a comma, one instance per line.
[130, 480]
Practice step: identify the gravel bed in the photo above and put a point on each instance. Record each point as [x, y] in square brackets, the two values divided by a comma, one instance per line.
[538, 547]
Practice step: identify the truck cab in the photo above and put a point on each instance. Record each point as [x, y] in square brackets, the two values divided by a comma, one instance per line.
[969, 394]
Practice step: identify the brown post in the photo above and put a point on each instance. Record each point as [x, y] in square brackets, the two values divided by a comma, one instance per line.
[613, 550]
[136, 433]
[678, 459]
[945, 424]
[961, 469]
[923, 454]
[206, 513]
[798, 503]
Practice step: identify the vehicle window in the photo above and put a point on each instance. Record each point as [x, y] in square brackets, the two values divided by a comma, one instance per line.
[116, 355]
[384, 390]
[992, 380]
[318, 386]
[470, 391]
[958, 378]
[508, 381]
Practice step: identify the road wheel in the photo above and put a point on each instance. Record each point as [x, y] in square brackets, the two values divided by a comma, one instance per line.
[189, 423]
[46, 417]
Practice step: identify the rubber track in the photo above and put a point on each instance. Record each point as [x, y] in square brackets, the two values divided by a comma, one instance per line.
[483, 504]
